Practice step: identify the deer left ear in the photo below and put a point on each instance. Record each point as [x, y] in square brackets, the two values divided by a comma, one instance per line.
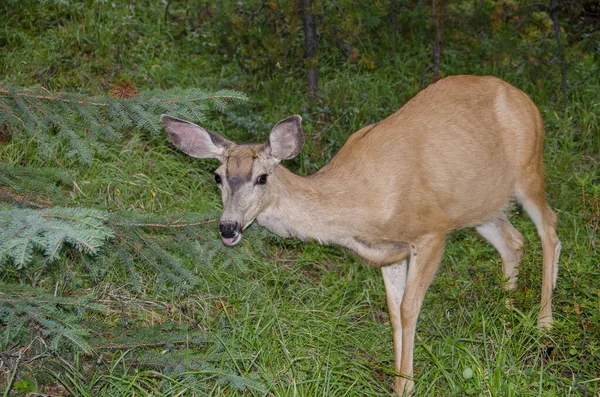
[286, 139]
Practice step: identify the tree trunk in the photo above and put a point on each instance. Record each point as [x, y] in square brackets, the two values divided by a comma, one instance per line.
[438, 19]
[394, 20]
[560, 50]
[310, 46]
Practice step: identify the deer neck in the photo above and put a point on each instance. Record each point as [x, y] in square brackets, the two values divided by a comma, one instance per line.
[302, 207]
[317, 208]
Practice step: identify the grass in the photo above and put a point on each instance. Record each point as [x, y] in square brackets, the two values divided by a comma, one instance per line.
[289, 318]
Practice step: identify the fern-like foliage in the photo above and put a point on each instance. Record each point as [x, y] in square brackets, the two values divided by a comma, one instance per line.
[26, 312]
[140, 252]
[162, 248]
[22, 231]
[142, 246]
[85, 122]
[152, 251]
[189, 355]
[32, 187]
[43, 2]
[182, 353]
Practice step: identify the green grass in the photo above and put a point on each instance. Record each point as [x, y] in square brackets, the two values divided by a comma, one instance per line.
[296, 319]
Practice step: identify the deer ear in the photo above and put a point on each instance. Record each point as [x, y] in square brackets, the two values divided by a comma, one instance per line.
[286, 139]
[195, 140]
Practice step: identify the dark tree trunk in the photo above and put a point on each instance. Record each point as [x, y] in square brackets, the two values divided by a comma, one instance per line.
[438, 19]
[310, 46]
[394, 20]
[560, 49]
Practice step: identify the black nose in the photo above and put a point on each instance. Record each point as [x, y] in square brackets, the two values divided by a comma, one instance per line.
[228, 230]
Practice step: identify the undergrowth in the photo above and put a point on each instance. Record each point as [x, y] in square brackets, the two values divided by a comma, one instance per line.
[166, 310]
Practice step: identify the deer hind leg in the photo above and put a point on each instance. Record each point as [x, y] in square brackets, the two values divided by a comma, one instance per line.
[424, 261]
[532, 198]
[509, 242]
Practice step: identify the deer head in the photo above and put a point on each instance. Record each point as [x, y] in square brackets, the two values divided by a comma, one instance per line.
[246, 171]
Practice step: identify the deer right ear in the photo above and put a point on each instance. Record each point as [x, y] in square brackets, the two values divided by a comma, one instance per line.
[195, 140]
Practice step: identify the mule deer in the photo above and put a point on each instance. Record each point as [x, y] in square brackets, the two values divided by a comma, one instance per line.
[453, 157]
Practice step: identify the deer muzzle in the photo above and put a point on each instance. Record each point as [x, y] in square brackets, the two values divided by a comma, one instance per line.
[231, 233]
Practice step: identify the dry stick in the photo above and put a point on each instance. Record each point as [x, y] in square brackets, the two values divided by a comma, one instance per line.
[38, 272]
[5, 193]
[56, 97]
[13, 375]
[9, 300]
[166, 225]
[51, 97]
[144, 344]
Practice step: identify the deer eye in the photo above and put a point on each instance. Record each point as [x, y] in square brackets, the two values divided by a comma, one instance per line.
[218, 179]
[262, 179]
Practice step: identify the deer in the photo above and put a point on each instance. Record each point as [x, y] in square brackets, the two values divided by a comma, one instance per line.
[455, 156]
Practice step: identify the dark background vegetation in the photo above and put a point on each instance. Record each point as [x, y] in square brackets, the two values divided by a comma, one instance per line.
[164, 309]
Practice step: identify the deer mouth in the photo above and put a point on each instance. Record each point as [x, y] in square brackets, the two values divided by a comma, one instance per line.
[231, 241]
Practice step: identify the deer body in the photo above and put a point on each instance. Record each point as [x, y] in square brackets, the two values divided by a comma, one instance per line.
[452, 157]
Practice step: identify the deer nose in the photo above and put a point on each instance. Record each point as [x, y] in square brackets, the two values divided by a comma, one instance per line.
[228, 229]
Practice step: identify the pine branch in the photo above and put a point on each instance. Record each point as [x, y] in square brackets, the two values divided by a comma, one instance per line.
[84, 123]
[25, 309]
[33, 236]
[223, 95]
[144, 245]
[25, 230]
[31, 186]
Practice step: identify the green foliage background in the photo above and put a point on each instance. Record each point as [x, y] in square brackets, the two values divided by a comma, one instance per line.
[165, 309]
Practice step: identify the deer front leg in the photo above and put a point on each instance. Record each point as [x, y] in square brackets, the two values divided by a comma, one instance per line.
[394, 279]
[424, 261]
